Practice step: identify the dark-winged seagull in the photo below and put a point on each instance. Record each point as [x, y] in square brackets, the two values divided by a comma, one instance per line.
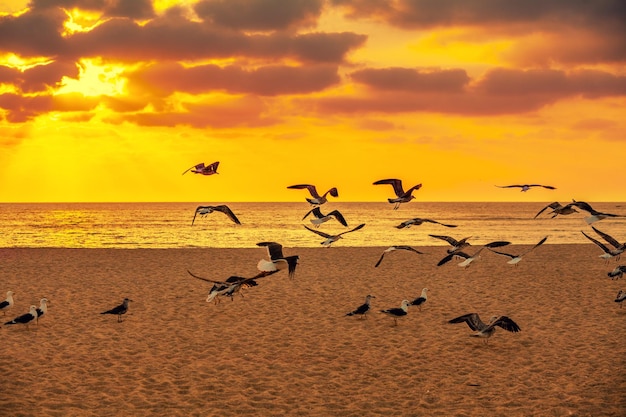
[8, 303]
[119, 310]
[204, 170]
[401, 195]
[486, 330]
[419, 301]
[608, 253]
[595, 215]
[317, 199]
[330, 239]
[619, 248]
[397, 312]
[204, 210]
[24, 318]
[42, 309]
[277, 260]
[515, 259]
[419, 221]
[557, 209]
[362, 310]
[471, 258]
[617, 272]
[526, 187]
[395, 248]
[457, 245]
[320, 218]
[621, 296]
[232, 285]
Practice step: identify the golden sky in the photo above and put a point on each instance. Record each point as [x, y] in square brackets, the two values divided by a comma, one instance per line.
[111, 100]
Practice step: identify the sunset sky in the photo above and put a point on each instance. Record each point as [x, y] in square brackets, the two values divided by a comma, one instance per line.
[111, 100]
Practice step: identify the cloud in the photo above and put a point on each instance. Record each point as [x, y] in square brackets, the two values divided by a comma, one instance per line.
[134, 9]
[409, 79]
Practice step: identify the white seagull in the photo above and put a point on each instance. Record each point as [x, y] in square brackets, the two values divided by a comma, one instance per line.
[322, 218]
[204, 170]
[395, 248]
[486, 330]
[557, 209]
[397, 312]
[419, 301]
[204, 210]
[8, 303]
[330, 239]
[617, 272]
[595, 215]
[317, 199]
[401, 195]
[471, 258]
[25, 318]
[119, 310]
[362, 310]
[419, 221]
[621, 296]
[232, 285]
[515, 259]
[526, 187]
[608, 253]
[277, 260]
[43, 308]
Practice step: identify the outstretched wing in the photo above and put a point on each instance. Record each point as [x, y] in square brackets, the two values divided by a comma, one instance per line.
[325, 235]
[227, 211]
[600, 244]
[274, 250]
[395, 183]
[472, 319]
[608, 238]
[197, 166]
[309, 187]
[506, 323]
[212, 281]
[348, 231]
[337, 215]
[448, 239]
[317, 213]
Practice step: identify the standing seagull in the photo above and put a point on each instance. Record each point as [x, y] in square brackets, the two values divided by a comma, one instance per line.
[608, 253]
[204, 170]
[362, 309]
[526, 187]
[395, 248]
[621, 296]
[397, 312]
[25, 318]
[322, 218]
[277, 260]
[557, 209]
[317, 199]
[486, 330]
[8, 303]
[401, 195]
[119, 310]
[330, 239]
[617, 273]
[419, 301]
[43, 308]
[204, 210]
[418, 221]
[515, 259]
[595, 215]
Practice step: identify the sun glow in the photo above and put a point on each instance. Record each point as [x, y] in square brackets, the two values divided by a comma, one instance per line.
[21, 63]
[95, 79]
[80, 21]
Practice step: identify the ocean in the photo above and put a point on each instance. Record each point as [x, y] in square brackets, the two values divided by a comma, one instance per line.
[168, 225]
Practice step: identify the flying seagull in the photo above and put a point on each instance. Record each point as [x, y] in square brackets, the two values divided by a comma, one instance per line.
[401, 195]
[322, 218]
[526, 187]
[608, 253]
[419, 301]
[621, 296]
[457, 245]
[595, 215]
[204, 170]
[471, 258]
[515, 259]
[362, 310]
[277, 260]
[330, 239]
[486, 330]
[317, 199]
[395, 248]
[42, 309]
[397, 312]
[204, 210]
[617, 272]
[8, 303]
[231, 285]
[25, 318]
[418, 221]
[557, 209]
[619, 247]
[119, 310]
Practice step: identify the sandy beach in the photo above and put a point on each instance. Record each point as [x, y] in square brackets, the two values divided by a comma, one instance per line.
[287, 348]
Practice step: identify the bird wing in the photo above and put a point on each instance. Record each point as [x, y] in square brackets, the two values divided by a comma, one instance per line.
[337, 215]
[326, 235]
[208, 279]
[436, 222]
[316, 212]
[196, 213]
[333, 191]
[348, 231]
[554, 205]
[227, 211]
[212, 168]
[504, 254]
[409, 248]
[448, 239]
[608, 238]
[584, 206]
[549, 187]
[395, 183]
[496, 244]
[274, 250]
[311, 188]
[410, 190]
[600, 244]
[448, 257]
[197, 166]
[510, 186]
[380, 259]
[537, 245]
[506, 323]
[472, 319]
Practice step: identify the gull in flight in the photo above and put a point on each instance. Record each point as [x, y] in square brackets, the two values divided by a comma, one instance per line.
[8, 303]
[486, 330]
[526, 187]
[395, 248]
[608, 253]
[277, 260]
[621, 296]
[119, 310]
[419, 301]
[397, 312]
[457, 245]
[557, 209]
[515, 259]
[362, 310]
[618, 272]
[322, 218]
[330, 239]
[401, 195]
[25, 318]
[317, 199]
[204, 210]
[204, 170]
[471, 258]
[418, 221]
[233, 284]
[595, 215]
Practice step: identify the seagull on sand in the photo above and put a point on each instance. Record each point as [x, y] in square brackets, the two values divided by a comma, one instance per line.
[322, 218]
[617, 273]
[43, 308]
[418, 221]
[317, 199]
[277, 260]
[362, 310]
[526, 187]
[401, 195]
[25, 318]
[232, 285]
[471, 258]
[515, 259]
[608, 253]
[395, 248]
[119, 310]
[397, 312]
[486, 330]
[557, 209]
[330, 239]
[621, 296]
[8, 303]
[457, 245]
[204, 210]
[204, 170]
[419, 301]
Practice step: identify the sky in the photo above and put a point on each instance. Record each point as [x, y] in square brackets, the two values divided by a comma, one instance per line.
[112, 100]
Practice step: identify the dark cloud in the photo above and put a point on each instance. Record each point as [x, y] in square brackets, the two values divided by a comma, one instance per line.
[35, 33]
[42, 77]
[416, 80]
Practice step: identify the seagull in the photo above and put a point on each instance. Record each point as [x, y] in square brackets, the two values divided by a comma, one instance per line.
[418, 221]
[515, 259]
[119, 310]
[619, 247]
[526, 187]
[398, 312]
[204, 170]
[362, 309]
[457, 245]
[557, 209]
[8, 303]
[330, 239]
[401, 195]
[621, 296]
[322, 218]
[204, 210]
[277, 260]
[231, 286]
[486, 330]
[420, 300]
[394, 248]
[608, 253]
[317, 199]
[43, 308]
[470, 258]
[595, 215]
[25, 318]
[617, 273]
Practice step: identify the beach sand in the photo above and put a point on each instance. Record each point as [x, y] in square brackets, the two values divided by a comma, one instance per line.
[287, 348]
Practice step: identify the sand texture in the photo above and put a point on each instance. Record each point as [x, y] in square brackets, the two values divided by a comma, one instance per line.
[287, 349]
